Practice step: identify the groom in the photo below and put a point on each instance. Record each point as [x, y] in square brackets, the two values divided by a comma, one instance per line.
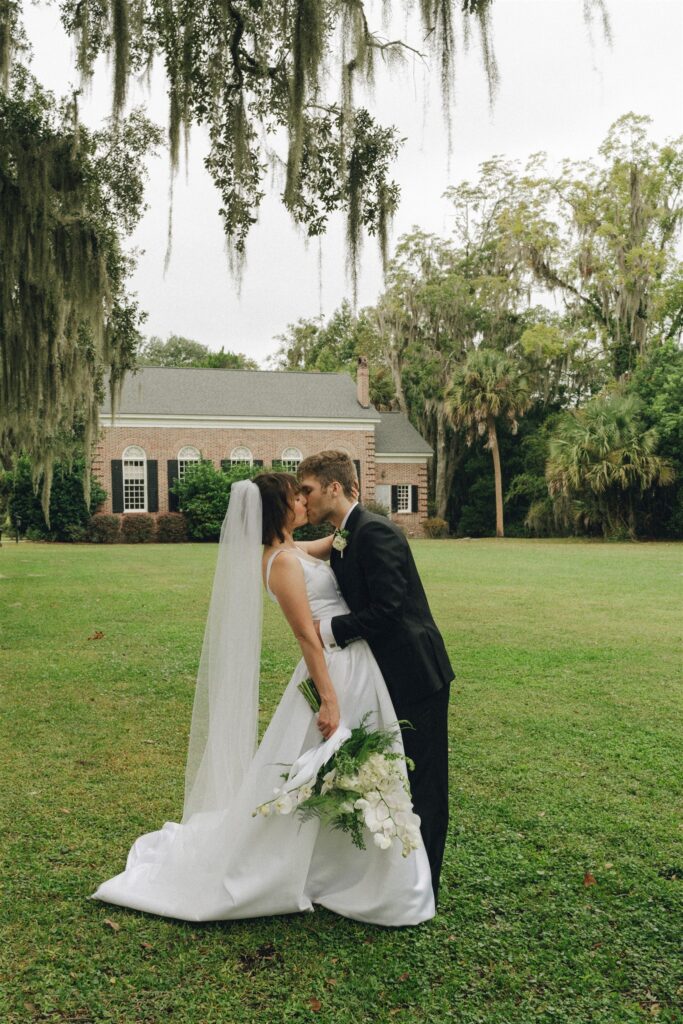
[380, 583]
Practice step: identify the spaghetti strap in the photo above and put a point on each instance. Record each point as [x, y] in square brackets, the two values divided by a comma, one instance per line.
[302, 558]
[268, 568]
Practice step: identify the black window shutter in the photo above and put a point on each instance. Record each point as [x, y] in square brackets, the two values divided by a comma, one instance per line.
[152, 486]
[172, 474]
[356, 463]
[258, 462]
[117, 485]
[226, 464]
[394, 498]
[414, 506]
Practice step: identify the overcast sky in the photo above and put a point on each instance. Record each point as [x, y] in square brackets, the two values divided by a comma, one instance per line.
[561, 86]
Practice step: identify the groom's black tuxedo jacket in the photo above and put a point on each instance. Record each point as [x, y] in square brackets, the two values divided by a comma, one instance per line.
[389, 609]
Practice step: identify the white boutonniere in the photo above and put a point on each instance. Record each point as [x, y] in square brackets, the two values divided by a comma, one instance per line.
[340, 540]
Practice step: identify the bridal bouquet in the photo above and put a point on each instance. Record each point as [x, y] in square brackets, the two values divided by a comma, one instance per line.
[360, 786]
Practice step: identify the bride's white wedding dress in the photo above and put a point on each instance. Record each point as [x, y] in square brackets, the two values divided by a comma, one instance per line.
[227, 864]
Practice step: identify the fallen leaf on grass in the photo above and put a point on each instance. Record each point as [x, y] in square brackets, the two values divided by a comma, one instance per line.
[65, 810]
[404, 976]
[608, 866]
[331, 981]
[147, 945]
[97, 635]
[589, 879]
[112, 924]
[315, 1004]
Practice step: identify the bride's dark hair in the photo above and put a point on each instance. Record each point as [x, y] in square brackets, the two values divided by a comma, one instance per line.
[278, 491]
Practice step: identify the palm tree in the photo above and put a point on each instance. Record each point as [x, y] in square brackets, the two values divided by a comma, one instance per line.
[486, 388]
[601, 457]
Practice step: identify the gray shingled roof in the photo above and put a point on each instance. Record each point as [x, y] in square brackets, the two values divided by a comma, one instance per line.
[190, 392]
[395, 434]
[186, 391]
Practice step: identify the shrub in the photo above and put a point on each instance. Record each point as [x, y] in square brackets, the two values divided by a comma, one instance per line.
[77, 533]
[377, 507]
[137, 528]
[171, 528]
[35, 534]
[104, 528]
[311, 532]
[203, 496]
[68, 511]
[540, 521]
[435, 527]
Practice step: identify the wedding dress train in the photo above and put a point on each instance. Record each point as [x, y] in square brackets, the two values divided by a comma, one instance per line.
[228, 864]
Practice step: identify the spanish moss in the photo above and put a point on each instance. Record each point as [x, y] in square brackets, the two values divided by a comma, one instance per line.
[64, 317]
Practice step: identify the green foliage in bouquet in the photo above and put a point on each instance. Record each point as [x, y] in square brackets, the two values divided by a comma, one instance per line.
[335, 807]
[359, 787]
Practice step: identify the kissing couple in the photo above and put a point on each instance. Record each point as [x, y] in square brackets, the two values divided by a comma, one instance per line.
[356, 605]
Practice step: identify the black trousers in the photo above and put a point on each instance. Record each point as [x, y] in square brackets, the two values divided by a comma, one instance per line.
[427, 744]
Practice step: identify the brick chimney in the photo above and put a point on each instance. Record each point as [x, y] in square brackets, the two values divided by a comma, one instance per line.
[363, 382]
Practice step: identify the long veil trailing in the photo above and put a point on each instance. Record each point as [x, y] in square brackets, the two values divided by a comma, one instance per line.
[224, 731]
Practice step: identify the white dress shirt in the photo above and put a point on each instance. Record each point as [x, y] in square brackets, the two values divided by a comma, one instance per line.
[326, 634]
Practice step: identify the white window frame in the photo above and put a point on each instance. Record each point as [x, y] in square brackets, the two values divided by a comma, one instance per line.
[404, 499]
[290, 459]
[134, 457]
[185, 459]
[241, 455]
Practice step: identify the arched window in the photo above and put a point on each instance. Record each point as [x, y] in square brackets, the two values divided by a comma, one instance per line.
[290, 459]
[134, 479]
[240, 455]
[187, 456]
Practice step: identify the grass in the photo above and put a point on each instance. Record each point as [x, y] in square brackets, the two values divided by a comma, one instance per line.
[565, 759]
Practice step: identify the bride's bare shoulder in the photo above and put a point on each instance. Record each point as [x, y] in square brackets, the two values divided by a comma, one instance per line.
[286, 558]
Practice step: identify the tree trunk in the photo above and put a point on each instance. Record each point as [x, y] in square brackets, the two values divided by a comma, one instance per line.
[396, 376]
[493, 445]
[441, 487]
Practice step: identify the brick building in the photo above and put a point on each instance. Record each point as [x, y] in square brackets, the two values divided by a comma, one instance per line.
[170, 417]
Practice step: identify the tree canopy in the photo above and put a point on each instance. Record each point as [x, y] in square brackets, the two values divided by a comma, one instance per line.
[252, 72]
[68, 196]
[456, 309]
[179, 351]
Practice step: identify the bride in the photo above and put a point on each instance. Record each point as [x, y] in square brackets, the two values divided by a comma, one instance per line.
[221, 862]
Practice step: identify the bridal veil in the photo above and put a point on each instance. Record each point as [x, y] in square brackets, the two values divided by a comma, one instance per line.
[224, 731]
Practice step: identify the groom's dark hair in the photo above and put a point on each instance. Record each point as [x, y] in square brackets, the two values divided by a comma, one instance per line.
[278, 491]
[330, 466]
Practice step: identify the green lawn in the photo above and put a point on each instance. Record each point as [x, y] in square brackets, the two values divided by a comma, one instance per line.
[565, 759]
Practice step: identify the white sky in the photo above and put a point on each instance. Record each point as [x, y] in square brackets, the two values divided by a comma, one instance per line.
[561, 86]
